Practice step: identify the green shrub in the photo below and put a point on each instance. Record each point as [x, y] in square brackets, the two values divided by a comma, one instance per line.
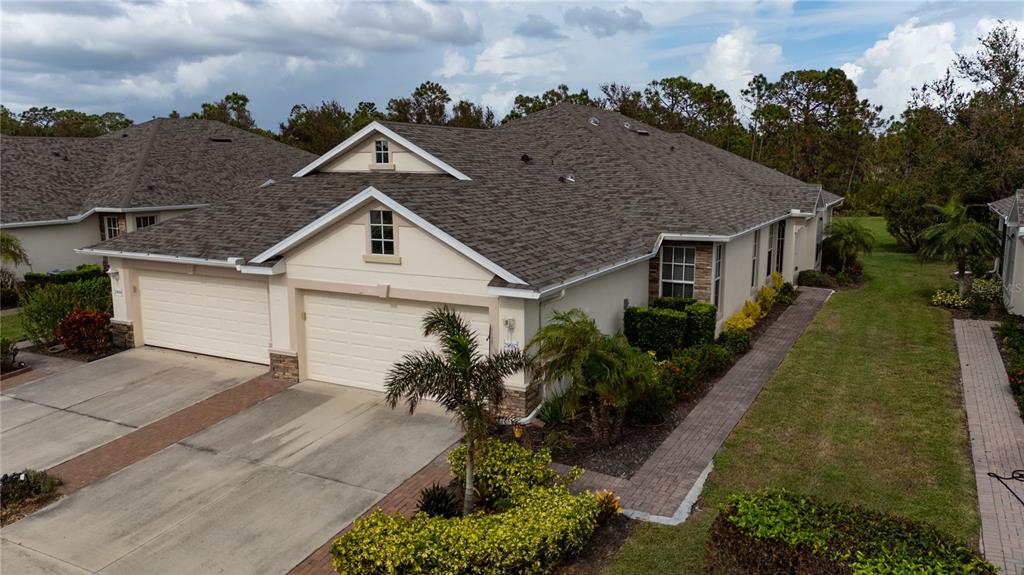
[690, 369]
[8, 297]
[662, 331]
[683, 382]
[8, 354]
[81, 273]
[776, 531]
[555, 411]
[503, 471]
[46, 306]
[766, 299]
[85, 331]
[737, 340]
[1011, 329]
[950, 298]
[987, 289]
[545, 525]
[700, 323]
[814, 278]
[438, 501]
[677, 303]
[19, 487]
[787, 294]
[653, 402]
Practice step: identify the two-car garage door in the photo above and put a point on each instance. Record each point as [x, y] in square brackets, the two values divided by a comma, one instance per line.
[225, 317]
[354, 340]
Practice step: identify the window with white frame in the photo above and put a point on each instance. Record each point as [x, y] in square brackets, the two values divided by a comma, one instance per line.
[110, 227]
[144, 221]
[780, 239]
[719, 252]
[382, 233]
[678, 266]
[381, 153]
[771, 251]
[753, 263]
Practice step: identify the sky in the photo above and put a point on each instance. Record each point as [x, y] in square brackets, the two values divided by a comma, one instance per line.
[148, 57]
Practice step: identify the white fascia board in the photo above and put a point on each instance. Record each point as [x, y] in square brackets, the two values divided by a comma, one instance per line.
[354, 139]
[372, 193]
[157, 258]
[82, 216]
[513, 293]
[275, 270]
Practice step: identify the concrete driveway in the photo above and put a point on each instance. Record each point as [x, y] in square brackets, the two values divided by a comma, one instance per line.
[51, 420]
[255, 493]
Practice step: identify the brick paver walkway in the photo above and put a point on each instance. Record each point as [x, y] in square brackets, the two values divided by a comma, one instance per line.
[98, 463]
[997, 443]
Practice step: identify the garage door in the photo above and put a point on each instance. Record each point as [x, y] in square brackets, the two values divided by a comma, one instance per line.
[354, 340]
[214, 316]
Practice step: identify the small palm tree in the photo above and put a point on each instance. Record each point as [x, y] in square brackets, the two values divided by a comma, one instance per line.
[11, 252]
[602, 368]
[956, 238]
[849, 239]
[465, 381]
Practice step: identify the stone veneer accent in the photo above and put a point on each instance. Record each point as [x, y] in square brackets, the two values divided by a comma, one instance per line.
[122, 334]
[520, 403]
[284, 366]
[703, 274]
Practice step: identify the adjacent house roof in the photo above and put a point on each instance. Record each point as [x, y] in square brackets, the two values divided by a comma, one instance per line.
[161, 163]
[1003, 206]
[551, 197]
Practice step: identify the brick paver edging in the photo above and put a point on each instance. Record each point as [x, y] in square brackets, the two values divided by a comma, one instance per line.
[997, 442]
[106, 459]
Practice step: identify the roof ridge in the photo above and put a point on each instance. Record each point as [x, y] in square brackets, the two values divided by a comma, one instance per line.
[126, 197]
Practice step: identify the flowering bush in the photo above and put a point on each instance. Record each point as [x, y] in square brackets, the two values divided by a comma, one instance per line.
[950, 298]
[990, 290]
[85, 331]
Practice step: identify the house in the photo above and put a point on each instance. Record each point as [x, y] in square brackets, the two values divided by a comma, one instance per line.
[1008, 265]
[326, 275]
[62, 193]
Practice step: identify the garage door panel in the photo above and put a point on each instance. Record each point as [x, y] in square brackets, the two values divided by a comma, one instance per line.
[209, 315]
[354, 340]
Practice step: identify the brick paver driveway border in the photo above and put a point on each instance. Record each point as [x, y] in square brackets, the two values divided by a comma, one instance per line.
[997, 443]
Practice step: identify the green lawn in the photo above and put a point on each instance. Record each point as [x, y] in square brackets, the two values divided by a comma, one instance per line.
[866, 409]
[10, 328]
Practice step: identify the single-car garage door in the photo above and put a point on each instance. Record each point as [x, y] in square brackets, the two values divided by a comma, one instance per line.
[354, 340]
[225, 317]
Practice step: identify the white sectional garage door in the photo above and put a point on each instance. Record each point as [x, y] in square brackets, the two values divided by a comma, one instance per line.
[354, 340]
[224, 317]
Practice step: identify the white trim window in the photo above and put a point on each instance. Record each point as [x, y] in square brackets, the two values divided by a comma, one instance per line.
[717, 294]
[678, 267]
[753, 261]
[382, 232]
[780, 252]
[771, 251]
[381, 151]
[144, 221]
[111, 229]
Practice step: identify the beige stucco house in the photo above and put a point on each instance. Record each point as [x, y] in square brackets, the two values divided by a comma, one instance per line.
[1009, 265]
[326, 275]
[62, 193]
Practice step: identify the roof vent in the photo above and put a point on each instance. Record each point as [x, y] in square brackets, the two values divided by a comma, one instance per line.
[568, 178]
[526, 158]
[642, 132]
[220, 139]
[124, 135]
[671, 148]
[627, 125]
[595, 121]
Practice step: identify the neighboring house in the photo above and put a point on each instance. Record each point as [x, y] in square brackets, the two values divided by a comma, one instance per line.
[62, 193]
[1009, 265]
[327, 275]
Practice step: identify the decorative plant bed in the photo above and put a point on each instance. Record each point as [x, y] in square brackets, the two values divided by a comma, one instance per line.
[25, 493]
[64, 353]
[604, 544]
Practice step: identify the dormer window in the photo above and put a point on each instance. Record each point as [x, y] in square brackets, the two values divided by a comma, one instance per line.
[382, 232]
[381, 154]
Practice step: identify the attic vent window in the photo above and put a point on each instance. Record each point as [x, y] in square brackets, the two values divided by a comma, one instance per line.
[594, 121]
[381, 153]
[220, 139]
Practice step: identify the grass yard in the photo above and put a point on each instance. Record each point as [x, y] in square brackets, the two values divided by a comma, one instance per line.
[866, 408]
[10, 328]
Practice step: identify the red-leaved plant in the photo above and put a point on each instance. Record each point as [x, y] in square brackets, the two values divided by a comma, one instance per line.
[85, 331]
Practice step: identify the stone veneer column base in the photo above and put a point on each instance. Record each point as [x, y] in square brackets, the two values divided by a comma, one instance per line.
[122, 334]
[284, 366]
[519, 403]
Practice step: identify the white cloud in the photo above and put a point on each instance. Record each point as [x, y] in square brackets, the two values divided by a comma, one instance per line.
[193, 78]
[454, 64]
[734, 58]
[513, 59]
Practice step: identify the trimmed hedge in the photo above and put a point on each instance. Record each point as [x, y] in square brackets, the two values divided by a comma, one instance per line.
[81, 273]
[737, 340]
[701, 317]
[677, 303]
[814, 278]
[777, 531]
[662, 331]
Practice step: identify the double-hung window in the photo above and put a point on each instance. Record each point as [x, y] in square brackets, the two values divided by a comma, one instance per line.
[381, 153]
[110, 227]
[382, 233]
[771, 251]
[780, 239]
[144, 221]
[678, 266]
[719, 252]
[753, 262]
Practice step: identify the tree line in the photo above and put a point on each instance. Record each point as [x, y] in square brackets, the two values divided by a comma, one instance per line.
[950, 142]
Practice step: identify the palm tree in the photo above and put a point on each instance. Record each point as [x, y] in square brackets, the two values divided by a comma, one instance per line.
[605, 369]
[956, 238]
[849, 239]
[465, 381]
[12, 252]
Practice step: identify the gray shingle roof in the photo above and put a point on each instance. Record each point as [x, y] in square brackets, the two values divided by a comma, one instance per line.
[1003, 206]
[163, 162]
[629, 189]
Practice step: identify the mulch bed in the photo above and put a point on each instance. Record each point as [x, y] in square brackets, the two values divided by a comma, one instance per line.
[638, 441]
[11, 513]
[62, 352]
[601, 548]
[996, 313]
